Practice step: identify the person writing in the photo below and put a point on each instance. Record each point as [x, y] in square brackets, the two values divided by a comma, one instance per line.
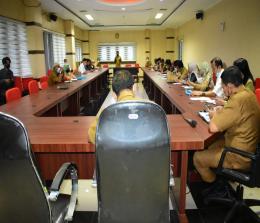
[181, 73]
[118, 59]
[122, 85]
[239, 120]
[206, 82]
[6, 79]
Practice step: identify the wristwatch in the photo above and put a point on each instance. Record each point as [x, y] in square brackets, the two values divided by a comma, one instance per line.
[203, 94]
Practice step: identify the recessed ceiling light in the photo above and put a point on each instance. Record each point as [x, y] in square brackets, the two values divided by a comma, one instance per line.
[123, 9]
[158, 15]
[89, 17]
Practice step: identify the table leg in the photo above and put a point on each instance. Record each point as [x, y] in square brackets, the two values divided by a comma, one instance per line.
[182, 197]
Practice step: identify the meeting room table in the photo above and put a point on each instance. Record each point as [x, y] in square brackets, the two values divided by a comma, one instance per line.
[59, 134]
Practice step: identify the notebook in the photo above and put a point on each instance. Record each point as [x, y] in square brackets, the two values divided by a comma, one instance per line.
[205, 116]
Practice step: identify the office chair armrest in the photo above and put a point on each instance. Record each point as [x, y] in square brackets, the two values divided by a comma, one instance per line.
[236, 151]
[55, 187]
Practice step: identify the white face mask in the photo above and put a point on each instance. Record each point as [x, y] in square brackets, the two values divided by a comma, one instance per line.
[58, 70]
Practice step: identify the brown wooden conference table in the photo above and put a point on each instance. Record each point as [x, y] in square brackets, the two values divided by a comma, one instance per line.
[173, 99]
[58, 134]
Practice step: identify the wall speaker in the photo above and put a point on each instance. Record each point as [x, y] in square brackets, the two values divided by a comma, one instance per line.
[199, 15]
[53, 17]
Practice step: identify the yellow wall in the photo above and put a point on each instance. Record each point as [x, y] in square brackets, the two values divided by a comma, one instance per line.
[57, 26]
[158, 43]
[204, 39]
[78, 33]
[12, 9]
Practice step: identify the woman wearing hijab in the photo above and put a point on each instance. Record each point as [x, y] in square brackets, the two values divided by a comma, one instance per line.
[205, 82]
[193, 75]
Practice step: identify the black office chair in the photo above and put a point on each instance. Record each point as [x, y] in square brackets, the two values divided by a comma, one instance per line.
[133, 164]
[23, 197]
[249, 178]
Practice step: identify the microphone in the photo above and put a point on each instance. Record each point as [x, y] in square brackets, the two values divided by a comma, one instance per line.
[191, 122]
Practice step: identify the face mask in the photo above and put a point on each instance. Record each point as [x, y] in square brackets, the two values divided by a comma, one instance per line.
[58, 70]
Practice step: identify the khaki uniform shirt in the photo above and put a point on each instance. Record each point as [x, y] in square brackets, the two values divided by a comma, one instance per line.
[118, 61]
[182, 74]
[205, 85]
[125, 95]
[240, 118]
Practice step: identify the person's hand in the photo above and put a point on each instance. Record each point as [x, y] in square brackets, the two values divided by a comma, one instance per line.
[220, 101]
[7, 81]
[196, 93]
[184, 82]
[212, 111]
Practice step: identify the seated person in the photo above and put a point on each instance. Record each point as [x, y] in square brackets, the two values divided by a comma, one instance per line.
[66, 67]
[157, 62]
[89, 66]
[217, 67]
[68, 71]
[57, 75]
[239, 119]
[193, 73]
[161, 65]
[148, 63]
[6, 79]
[82, 69]
[180, 71]
[206, 82]
[122, 85]
[168, 65]
[248, 79]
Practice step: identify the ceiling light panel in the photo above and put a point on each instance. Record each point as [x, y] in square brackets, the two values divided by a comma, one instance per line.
[158, 15]
[89, 17]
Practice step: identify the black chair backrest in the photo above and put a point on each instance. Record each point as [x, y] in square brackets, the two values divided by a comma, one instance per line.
[256, 167]
[22, 198]
[133, 163]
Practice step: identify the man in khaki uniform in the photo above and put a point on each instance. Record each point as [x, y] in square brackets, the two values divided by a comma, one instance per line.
[122, 85]
[118, 59]
[239, 119]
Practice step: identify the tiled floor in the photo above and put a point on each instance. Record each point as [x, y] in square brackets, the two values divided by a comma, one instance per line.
[87, 204]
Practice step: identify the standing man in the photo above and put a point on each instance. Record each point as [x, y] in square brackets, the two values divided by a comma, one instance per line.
[239, 119]
[6, 79]
[118, 59]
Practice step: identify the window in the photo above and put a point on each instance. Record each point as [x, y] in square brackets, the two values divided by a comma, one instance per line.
[78, 50]
[54, 47]
[13, 44]
[107, 51]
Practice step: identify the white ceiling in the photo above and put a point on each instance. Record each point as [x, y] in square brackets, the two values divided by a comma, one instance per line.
[135, 16]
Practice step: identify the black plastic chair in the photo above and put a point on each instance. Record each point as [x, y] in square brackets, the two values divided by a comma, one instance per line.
[250, 178]
[23, 197]
[133, 164]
